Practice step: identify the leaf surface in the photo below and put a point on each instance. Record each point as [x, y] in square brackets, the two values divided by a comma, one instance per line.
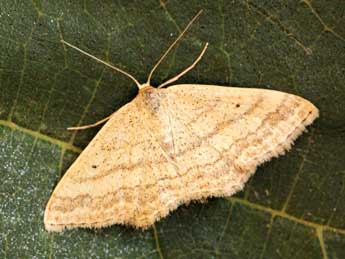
[294, 205]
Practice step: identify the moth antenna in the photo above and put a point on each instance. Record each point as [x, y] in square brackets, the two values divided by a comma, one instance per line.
[90, 125]
[103, 62]
[171, 46]
[185, 70]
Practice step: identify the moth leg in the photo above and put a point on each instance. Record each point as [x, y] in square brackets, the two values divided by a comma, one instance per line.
[90, 125]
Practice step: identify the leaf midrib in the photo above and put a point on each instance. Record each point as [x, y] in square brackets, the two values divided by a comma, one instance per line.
[275, 213]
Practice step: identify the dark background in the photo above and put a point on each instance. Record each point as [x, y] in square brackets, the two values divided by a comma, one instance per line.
[292, 208]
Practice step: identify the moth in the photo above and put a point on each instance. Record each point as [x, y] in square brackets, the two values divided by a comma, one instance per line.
[169, 146]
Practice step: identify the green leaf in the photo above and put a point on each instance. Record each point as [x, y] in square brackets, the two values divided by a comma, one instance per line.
[292, 208]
